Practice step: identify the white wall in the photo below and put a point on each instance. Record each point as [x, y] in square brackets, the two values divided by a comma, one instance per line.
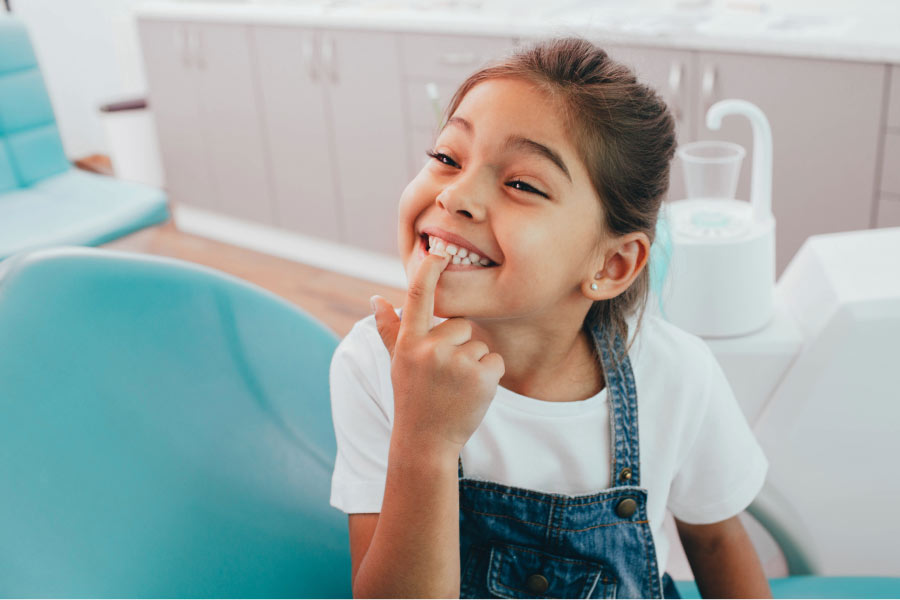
[89, 55]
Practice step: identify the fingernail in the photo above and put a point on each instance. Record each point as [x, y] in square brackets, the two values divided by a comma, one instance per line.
[372, 302]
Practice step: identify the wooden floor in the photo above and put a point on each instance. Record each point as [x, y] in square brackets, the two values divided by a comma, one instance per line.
[336, 300]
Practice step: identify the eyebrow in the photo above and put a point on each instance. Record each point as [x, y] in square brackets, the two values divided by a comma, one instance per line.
[519, 143]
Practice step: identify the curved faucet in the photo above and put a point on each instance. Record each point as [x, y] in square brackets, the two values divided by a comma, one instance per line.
[761, 180]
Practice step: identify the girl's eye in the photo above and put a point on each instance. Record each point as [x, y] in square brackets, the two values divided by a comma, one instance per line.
[521, 185]
[442, 158]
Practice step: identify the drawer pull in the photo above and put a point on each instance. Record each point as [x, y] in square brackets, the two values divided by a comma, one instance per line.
[457, 59]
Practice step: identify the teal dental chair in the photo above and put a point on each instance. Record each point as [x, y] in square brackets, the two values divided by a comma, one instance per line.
[43, 200]
[165, 431]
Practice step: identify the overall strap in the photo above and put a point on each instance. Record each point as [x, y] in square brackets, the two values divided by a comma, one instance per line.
[625, 460]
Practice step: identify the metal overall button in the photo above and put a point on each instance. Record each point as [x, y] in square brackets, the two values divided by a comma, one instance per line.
[626, 507]
[625, 474]
[537, 584]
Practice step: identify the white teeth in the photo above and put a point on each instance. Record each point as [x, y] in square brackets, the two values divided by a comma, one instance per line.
[461, 256]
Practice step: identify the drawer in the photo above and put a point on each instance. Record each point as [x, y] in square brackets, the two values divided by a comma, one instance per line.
[423, 114]
[449, 57]
[888, 211]
[894, 99]
[890, 163]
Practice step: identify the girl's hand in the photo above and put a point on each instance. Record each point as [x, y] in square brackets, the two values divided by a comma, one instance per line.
[443, 380]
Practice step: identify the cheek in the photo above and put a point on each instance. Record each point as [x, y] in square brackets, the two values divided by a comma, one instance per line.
[413, 201]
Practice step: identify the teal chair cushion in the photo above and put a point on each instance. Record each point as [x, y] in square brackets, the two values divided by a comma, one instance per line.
[76, 208]
[165, 431]
[810, 586]
[8, 179]
[33, 149]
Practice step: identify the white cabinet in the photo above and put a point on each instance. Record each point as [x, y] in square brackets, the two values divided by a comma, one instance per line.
[168, 50]
[365, 91]
[334, 118]
[825, 118]
[204, 96]
[295, 120]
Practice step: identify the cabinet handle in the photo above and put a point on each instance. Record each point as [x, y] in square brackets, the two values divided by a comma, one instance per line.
[708, 85]
[676, 71]
[182, 45]
[195, 49]
[457, 59]
[434, 96]
[329, 59]
[309, 58]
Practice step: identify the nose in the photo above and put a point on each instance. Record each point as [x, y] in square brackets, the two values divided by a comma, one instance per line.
[464, 198]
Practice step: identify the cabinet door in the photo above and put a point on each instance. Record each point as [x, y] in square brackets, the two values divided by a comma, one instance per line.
[671, 73]
[825, 119]
[365, 90]
[231, 122]
[295, 121]
[173, 98]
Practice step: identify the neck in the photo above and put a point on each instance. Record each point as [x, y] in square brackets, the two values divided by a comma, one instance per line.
[549, 358]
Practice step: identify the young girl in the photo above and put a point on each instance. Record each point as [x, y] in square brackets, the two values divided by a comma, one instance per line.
[507, 437]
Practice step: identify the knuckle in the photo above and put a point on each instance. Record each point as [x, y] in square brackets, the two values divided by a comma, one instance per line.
[416, 290]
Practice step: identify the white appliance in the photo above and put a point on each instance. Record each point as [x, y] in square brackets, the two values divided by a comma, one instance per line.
[722, 270]
[818, 384]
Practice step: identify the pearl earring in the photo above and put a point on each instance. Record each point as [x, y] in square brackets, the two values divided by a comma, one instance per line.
[594, 287]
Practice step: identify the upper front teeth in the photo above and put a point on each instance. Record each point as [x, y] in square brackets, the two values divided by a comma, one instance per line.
[461, 256]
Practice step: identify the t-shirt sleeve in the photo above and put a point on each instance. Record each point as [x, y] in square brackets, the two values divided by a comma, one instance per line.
[362, 424]
[724, 467]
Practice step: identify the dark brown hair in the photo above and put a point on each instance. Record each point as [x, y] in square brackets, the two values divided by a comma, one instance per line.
[625, 136]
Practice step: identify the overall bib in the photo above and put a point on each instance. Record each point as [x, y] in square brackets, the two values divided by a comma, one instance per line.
[518, 543]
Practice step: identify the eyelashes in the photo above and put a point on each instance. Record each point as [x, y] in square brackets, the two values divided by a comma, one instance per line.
[442, 158]
[516, 184]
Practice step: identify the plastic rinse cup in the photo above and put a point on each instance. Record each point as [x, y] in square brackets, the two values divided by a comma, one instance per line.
[711, 169]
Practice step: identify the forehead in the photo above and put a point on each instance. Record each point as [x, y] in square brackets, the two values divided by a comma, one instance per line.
[513, 106]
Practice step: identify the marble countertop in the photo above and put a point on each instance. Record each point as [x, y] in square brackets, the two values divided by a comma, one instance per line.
[866, 31]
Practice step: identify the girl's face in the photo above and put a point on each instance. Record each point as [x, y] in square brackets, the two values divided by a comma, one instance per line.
[505, 181]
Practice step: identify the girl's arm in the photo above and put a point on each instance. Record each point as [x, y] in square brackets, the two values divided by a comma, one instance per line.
[443, 382]
[410, 549]
[723, 560]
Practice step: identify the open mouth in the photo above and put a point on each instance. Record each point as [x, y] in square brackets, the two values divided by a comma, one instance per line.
[461, 256]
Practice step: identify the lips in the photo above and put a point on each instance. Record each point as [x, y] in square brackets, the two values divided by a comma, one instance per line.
[456, 240]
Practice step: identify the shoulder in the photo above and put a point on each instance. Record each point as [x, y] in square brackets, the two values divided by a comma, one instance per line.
[672, 351]
[363, 342]
[676, 374]
[362, 356]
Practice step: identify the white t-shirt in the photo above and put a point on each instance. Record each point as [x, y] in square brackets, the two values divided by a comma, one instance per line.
[699, 458]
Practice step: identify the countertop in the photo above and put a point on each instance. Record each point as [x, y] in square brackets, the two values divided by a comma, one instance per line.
[866, 31]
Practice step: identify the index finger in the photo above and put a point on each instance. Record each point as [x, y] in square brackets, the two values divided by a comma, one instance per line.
[419, 306]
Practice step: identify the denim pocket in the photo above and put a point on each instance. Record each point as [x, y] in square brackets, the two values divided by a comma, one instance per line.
[521, 572]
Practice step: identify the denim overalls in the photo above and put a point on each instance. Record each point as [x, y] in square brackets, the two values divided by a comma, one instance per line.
[518, 543]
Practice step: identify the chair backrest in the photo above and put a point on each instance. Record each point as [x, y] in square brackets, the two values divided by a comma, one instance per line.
[30, 148]
[165, 431]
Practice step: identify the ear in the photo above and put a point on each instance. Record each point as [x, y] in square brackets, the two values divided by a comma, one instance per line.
[624, 259]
